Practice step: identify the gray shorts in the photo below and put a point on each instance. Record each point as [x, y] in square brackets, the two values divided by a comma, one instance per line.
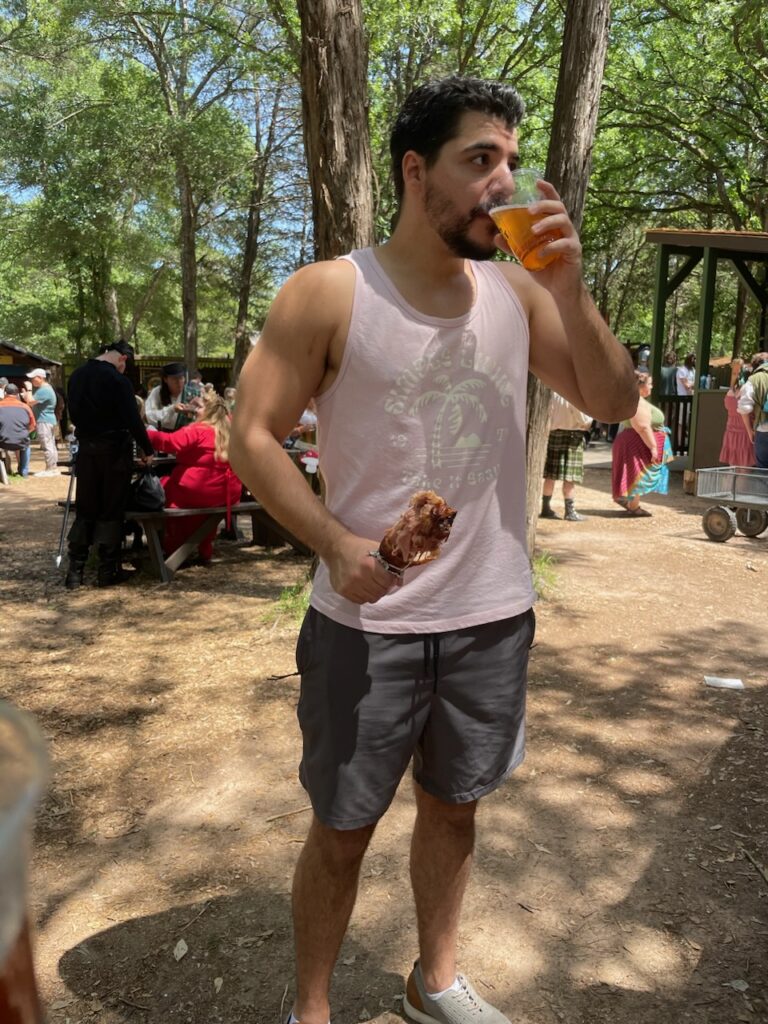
[455, 702]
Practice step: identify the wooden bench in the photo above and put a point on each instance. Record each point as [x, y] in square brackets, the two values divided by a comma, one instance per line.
[164, 567]
[266, 530]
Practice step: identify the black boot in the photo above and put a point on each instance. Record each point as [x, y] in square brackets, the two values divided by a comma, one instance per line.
[75, 571]
[547, 512]
[110, 540]
[78, 545]
[570, 512]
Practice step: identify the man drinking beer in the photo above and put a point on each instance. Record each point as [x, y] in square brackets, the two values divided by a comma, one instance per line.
[417, 352]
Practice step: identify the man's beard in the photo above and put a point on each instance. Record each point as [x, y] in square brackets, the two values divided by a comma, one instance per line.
[453, 227]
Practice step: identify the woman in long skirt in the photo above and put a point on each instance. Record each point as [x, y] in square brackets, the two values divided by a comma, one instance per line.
[641, 452]
[737, 448]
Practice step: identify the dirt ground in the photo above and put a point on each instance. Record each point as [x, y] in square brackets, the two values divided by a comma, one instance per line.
[621, 875]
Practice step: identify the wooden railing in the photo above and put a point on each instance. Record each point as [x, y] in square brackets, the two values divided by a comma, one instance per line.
[677, 416]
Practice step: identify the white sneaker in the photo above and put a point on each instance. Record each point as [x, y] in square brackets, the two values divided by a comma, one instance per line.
[460, 1005]
[48, 472]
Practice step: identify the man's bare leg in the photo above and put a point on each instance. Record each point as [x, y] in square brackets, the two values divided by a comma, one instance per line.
[324, 893]
[441, 859]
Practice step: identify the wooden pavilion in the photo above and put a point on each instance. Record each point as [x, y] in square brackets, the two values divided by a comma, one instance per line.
[697, 422]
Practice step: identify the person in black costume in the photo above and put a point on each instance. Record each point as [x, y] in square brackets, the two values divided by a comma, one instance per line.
[106, 418]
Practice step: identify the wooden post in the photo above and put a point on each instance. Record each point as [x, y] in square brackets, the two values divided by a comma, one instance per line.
[704, 343]
[660, 296]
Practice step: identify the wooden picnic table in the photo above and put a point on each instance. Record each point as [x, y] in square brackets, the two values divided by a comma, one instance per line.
[266, 530]
[164, 567]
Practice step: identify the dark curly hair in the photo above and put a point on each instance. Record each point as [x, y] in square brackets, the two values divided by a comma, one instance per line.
[430, 116]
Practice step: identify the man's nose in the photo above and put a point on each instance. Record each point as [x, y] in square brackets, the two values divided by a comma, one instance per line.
[503, 176]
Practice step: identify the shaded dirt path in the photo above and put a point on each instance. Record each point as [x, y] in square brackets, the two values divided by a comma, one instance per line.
[613, 876]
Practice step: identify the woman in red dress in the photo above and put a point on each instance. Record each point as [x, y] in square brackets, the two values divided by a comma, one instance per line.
[737, 448]
[202, 476]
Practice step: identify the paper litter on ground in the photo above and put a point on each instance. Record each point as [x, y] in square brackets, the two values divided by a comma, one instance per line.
[724, 684]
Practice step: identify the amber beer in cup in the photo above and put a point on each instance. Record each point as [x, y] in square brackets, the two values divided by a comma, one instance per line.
[514, 221]
[23, 770]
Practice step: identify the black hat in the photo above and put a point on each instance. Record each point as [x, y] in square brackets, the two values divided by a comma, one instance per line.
[118, 346]
[174, 370]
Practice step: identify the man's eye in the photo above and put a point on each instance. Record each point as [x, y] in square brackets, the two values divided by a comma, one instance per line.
[481, 159]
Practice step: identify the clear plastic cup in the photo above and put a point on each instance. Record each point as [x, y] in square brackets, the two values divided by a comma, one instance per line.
[515, 221]
[23, 774]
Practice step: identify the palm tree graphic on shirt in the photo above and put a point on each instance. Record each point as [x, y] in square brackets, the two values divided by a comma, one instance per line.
[455, 401]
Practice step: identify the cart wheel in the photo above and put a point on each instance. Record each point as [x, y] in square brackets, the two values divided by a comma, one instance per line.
[751, 521]
[719, 523]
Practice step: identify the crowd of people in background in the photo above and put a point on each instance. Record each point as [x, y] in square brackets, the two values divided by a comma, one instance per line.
[641, 446]
[118, 435]
[17, 425]
[185, 417]
[751, 392]
[565, 457]
[641, 453]
[41, 403]
[202, 476]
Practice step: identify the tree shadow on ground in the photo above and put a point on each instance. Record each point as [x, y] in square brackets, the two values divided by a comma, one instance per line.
[631, 895]
[612, 881]
[573, 913]
[237, 967]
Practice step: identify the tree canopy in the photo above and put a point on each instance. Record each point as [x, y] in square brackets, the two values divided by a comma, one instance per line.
[152, 156]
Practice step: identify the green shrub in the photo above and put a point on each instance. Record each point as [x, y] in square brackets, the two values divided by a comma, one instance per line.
[544, 575]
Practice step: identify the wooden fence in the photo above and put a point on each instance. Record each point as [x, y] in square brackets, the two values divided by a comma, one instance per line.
[677, 416]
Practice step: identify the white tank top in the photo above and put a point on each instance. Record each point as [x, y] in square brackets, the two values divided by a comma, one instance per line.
[426, 403]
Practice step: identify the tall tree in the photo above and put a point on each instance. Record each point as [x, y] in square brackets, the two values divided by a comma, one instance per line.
[264, 144]
[334, 88]
[198, 52]
[577, 99]
[77, 171]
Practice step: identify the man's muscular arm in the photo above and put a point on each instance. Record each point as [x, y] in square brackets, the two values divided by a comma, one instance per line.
[293, 361]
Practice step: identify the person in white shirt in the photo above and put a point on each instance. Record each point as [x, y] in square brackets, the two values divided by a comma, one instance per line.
[753, 408]
[686, 375]
[165, 408]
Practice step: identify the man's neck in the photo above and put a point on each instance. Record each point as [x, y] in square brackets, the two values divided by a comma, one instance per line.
[426, 273]
[108, 357]
[418, 250]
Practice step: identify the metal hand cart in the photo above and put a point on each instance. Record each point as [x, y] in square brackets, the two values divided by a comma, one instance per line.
[742, 493]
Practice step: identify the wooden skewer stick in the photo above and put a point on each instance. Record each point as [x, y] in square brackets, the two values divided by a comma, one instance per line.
[287, 814]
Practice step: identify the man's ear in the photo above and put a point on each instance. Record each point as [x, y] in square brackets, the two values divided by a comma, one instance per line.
[414, 168]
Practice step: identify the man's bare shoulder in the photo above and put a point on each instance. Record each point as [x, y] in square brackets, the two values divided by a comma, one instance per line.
[331, 280]
[312, 308]
[521, 281]
[309, 319]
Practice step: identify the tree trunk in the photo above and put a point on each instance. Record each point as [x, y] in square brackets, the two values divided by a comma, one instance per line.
[618, 317]
[102, 315]
[188, 253]
[261, 163]
[113, 311]
[80, 329]
[334, 86]
[144, 302]
[741, 317]
[582, 60]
